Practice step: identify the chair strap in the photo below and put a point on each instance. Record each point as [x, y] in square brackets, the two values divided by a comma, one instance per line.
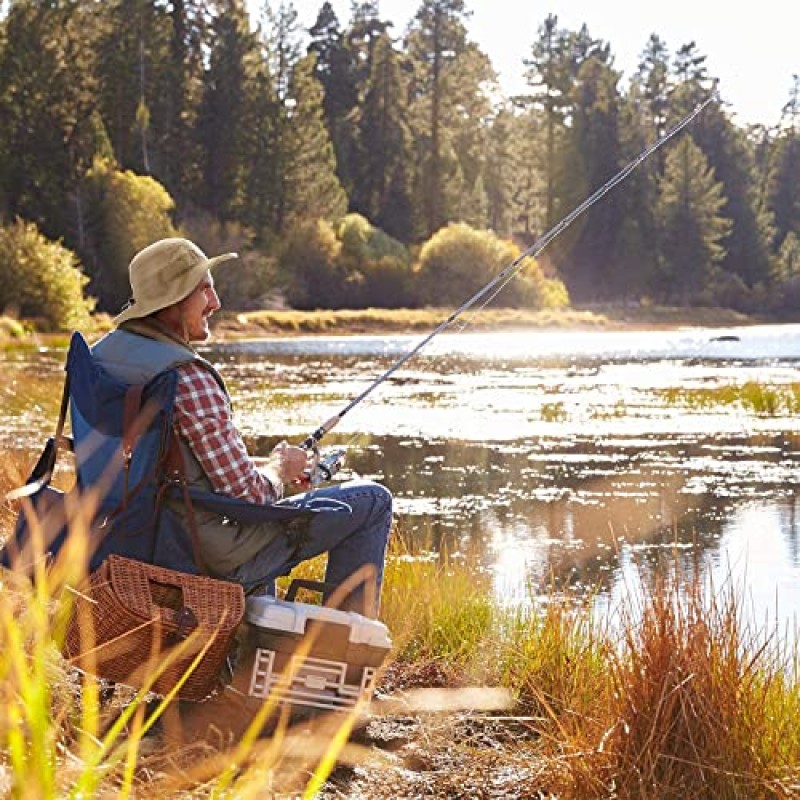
[132, 422]
[46, 465]
[175, 474]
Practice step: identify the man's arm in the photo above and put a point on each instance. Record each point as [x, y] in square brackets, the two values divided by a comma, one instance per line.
[203, 418]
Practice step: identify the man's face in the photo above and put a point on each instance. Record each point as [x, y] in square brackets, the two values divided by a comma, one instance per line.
[191, 315]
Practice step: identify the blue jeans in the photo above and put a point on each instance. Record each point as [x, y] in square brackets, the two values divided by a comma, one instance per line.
[354, 531]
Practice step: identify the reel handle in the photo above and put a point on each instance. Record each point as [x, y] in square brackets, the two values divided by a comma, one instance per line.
[329, 464]
[323, 465]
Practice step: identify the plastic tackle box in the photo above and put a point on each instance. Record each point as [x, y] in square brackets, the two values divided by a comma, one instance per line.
[307, 655]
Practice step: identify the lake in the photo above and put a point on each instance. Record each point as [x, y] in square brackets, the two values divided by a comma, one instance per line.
[555, 458]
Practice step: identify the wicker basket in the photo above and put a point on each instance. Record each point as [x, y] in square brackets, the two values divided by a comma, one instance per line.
[135, 619]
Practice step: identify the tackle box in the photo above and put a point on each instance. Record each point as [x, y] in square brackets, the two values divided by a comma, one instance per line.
[308, 655]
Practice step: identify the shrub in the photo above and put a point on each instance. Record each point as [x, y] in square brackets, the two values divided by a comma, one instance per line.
[309, 265]
[42, 279]
[130, 211]
[458, 260]
[376, 265]
[362, 241]
[247, 284]
[727, 290]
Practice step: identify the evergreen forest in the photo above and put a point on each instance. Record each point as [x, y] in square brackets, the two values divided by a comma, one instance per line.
[352, 164]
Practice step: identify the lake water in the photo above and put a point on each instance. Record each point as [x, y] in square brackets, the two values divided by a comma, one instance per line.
[554, 457]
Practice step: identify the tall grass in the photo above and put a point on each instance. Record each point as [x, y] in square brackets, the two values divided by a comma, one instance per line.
[757, 398]
[676, 696]
[59, 737]
[697, 703]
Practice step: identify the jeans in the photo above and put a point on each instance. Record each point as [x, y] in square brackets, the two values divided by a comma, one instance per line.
[354, 535]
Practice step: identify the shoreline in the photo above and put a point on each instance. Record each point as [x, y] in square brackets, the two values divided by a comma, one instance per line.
[253, 325]
[233, 326]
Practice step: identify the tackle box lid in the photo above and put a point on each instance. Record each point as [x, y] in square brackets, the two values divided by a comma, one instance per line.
[285, 616]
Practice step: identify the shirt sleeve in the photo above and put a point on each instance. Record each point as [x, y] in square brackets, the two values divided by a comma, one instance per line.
[204, 419]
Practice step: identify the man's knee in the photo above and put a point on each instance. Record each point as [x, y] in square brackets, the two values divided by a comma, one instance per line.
[377, 495]
[383, 497]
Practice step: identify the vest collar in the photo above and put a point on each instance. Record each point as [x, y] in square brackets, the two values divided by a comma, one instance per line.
[153, 328]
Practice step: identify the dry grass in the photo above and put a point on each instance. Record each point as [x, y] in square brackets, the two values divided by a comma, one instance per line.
[253, 324]
[371, 320]
[703, 702]
[678, 698]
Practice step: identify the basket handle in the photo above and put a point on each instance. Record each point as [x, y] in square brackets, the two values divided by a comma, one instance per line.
[303, 583]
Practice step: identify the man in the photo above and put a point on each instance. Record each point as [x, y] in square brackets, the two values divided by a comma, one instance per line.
[172, 300]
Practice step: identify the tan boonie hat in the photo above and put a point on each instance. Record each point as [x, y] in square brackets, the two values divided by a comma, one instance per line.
[164, 273]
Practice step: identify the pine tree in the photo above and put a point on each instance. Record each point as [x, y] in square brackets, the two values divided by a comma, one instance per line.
[312, 190]
[783, 192]
[47, 104]
[636, 261]
[468, 113]
[548, 75]
[336, 71]
[731, 157]
[382, 192]
[362, 35]
[499, 180]
[650, 89]
[265, 145]
[178, 157]
[593, 156]
[132, 59]
[437, 36]
[281, 41]
[692, 228]
[269, 186]
[225, 107]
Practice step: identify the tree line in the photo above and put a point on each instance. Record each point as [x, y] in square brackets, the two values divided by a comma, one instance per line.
[354, 165]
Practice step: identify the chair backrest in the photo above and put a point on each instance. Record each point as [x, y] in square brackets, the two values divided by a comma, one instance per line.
[132, 518]
[121, 434]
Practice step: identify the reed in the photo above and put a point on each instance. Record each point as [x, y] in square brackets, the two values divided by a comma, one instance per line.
[553, 412]
[756, 398]
[691, 702]
[554, 659]
[437, 610]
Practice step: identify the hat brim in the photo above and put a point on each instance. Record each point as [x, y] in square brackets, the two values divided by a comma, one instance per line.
[136, 310]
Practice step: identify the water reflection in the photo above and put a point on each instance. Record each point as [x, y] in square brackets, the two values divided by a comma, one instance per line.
[552, 456]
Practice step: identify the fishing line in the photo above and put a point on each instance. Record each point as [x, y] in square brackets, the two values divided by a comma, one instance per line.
[327, 464]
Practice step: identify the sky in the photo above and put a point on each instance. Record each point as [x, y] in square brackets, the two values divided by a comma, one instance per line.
[752, 47]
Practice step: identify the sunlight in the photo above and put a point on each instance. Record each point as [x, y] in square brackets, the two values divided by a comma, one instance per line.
[759, 552]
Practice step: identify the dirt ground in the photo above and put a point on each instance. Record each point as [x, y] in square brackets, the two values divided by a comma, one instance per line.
[394, 751]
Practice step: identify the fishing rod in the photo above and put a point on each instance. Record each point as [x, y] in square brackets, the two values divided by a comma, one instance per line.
[328, 464]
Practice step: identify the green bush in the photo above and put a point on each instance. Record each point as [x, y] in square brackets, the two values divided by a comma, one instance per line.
[126, 213]
[41, 279]
[457, 261]
[377, 267]
[310, 267]
[362, 241]
[250, 282]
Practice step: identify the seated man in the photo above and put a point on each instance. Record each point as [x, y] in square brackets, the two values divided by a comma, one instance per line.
[172, 299]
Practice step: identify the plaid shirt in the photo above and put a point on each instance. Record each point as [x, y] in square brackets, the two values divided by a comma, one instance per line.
[203, 417]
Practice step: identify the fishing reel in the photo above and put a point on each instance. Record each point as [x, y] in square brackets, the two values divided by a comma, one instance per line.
[325, 465]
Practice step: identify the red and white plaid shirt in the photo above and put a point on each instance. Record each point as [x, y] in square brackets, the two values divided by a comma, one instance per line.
[204, 418]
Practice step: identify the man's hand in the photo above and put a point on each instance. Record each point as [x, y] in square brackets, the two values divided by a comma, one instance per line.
[291, 463]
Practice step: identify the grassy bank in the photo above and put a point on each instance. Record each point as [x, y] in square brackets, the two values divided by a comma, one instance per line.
[276, 323]
[256, 324]
[675, 696]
